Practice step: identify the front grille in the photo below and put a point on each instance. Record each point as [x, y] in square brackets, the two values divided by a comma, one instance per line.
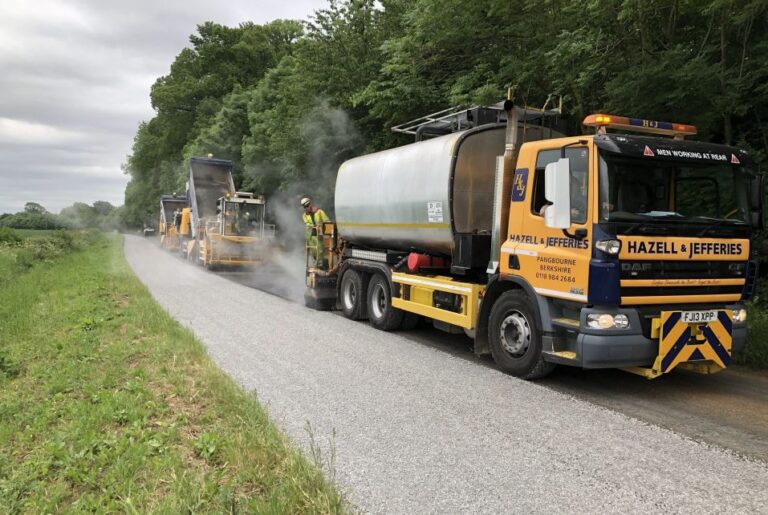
[683, 270]
[651, 291]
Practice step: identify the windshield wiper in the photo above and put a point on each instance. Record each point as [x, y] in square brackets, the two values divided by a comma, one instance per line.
[653, 224]
[645, 229]
[717, 223]
[645, 226]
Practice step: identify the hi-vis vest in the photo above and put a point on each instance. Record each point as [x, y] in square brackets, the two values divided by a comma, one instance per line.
[314, 218]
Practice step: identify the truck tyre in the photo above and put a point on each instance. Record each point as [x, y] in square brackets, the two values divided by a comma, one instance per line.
[381, 313]
[410, 321]
[183, 248]
[194, 254]
[353, 294]
[515, 337]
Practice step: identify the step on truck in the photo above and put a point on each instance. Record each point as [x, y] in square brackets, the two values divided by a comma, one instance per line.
[629, 248]
[171, 207]
[222, 226]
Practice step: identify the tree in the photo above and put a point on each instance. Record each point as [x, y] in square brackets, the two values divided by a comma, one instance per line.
[34, 208]
[79, 215]
[34, 216]
[103, 208]
[288, 102]
[188, 101]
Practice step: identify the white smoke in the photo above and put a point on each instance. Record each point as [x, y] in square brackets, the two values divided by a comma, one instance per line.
[331, 139]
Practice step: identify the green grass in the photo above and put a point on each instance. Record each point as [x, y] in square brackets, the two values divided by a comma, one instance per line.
[107, 404]
[755, 353]
[20, 251]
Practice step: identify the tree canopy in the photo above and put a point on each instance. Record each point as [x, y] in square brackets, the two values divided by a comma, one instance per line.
[101, 214]
[289, 101]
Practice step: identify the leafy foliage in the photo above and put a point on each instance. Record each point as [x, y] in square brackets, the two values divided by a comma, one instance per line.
[287, 102]
[32, 220]
[9, 236]
[101, 215]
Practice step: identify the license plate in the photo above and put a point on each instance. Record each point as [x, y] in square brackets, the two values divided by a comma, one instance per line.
[698, 317]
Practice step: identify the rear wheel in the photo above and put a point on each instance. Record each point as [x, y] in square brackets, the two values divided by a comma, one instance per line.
[193, 253]
[183, 248]
[353, 293]
[381, 313]
[515, 338]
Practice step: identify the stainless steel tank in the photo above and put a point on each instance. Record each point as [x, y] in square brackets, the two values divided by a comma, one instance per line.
[416, 197]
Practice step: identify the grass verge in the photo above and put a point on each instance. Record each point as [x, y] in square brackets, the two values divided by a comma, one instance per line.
[107, 404]
[755, 353]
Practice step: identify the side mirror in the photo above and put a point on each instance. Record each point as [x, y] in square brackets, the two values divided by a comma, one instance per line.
[557, 190]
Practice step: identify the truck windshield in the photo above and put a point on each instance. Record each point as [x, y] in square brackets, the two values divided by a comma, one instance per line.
[663, 192]
[241, 218]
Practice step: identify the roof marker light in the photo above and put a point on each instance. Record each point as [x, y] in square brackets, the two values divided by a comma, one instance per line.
[603, 121]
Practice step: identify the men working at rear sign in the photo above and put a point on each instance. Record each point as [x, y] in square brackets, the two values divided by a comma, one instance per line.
[313, 218]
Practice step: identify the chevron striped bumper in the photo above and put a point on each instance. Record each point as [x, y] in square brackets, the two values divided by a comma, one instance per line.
[709, 344]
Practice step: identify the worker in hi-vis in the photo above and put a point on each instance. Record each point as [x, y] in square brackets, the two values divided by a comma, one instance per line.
[313, 218]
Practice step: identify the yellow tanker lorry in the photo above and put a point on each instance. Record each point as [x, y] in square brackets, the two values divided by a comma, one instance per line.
[605, 250]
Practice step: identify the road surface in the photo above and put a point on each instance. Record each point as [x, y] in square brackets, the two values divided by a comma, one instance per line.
[729, 409]
[413, 427]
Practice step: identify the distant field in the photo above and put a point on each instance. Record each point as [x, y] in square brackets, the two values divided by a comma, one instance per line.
[108, 405]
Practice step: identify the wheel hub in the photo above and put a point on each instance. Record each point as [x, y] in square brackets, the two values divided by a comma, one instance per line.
[350, 295]
[515, 333]
[379, 303]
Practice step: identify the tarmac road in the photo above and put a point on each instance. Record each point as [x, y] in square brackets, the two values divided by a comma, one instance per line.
[729, 409]
[413, 425]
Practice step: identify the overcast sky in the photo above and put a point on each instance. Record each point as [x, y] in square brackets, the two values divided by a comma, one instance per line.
[74, 85]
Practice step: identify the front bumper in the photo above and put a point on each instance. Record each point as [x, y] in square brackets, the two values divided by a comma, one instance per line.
[631, 347]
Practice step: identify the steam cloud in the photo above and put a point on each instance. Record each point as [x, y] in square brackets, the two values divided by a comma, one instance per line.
[331, 139]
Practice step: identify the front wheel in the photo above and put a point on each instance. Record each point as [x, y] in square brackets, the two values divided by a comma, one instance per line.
[381, 313]
[515, 338]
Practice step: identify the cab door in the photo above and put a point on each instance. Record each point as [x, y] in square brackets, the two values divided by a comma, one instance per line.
[554, 262]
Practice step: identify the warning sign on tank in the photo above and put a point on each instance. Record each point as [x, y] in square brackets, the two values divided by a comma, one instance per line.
[435, 212]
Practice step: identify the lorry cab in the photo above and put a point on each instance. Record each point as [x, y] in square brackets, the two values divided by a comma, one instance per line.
[636, 247]
[241, 215]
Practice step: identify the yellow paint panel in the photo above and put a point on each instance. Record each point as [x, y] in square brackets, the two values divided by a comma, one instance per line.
[639, 283]
[421, 289]
[450, 317]
[720, 332]
[420, 295]
[662, 299]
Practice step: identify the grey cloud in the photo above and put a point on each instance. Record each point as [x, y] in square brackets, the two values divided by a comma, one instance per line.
[75, 85]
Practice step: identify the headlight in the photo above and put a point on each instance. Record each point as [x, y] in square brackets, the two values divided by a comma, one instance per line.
[740, 315]
[607, 321]
[611, 247]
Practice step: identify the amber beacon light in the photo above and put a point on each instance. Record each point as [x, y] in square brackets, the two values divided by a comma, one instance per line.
[609, 121]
